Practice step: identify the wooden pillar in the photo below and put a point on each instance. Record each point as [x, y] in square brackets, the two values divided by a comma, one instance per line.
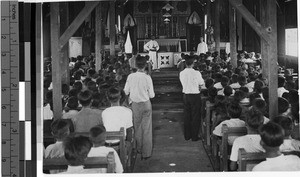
[56, 69]
[264, 44]
[217, 25]
[239, 23]
[208, 13]
[272, 58]
[98, 36]
[64, 23]
[232, 32]
[112, 33]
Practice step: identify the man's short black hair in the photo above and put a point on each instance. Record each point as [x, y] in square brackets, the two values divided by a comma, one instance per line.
[85, 97]
[113, 95]
[209, 82]
[281, 81]
[189, 60]
[140, 62]
[228, 90]
[72, 102]
[224, 81]
[252, 97]
[260, 104]
[234, 110]
[271, 134]
[76, 149]
[78, 86]
[258, 86]
[254, 118]
[283, 105]
[286, 123]
[95, 133]
[60, 129]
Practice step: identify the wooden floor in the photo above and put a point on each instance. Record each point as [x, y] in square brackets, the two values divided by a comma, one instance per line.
[171, 153]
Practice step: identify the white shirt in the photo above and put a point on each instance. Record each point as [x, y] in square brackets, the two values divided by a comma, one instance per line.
[290, 145]
[55, 150]
[235, 85]
[48, 114]
[250, 86]
[103, 151]
[233, 122]
[151, 45]
[116, 117]
[280, 163]
[251, 143]
[139, 87]
[281, 90]
[70, 114]
[202, 48]
[191, 80]
[218, 85]
[80, 169]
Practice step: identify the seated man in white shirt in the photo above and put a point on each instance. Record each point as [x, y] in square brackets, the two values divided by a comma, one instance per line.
[272, 136]
[117, 116]
[251, 141]
[281, 84]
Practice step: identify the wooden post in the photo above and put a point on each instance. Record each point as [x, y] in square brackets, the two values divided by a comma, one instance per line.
[64, 23]
[208, 13]
[98, 36]
[232, 32]
[217, 26]
[56, 69]
[112, 33]
[239, 23]
[272, 58]
[264, 44]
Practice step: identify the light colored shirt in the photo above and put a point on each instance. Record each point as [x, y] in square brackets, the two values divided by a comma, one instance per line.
[191, 80]
[55, 150]
[233, 122]
[250, 86]
[281, 90]
[235, 85]
[251, 143]
[151, 45]
[86, 119]
[202, 48]
[139, 87]
[48, 114]
[290, 145]
[280, 163]
[70, 114]
[218, 85]
[103, 151]
[80, 169]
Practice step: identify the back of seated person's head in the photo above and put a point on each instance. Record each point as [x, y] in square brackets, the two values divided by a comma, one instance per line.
[234, 110]
[228, 74]
[283, 105]
[73, 92]
[239, 95]
[76, 149]
[242, 80]
[141, 62]
[217, 77]
[290, 85]
[252, 77]
[286, 123]
[281, 81]
[234, 78]
[92, 86]
[209, 83]
[265, 94]
[60, 129]
[289, 78]
[85, 98]
[98, 135]
[252, 97]
[91, 72]
[77, 75]
[72, 103]
[254, 119]
[293, 96]
[237, 71]
[78, 86]
[260, 105]
[258, 86]
[224, 81]
[272, 135]
[86, 81]
[114, 95]
[96, 100]
[228, 90]
[285, 95]
[244, 89]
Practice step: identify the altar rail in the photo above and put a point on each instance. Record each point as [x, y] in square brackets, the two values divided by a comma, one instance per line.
[165, 45]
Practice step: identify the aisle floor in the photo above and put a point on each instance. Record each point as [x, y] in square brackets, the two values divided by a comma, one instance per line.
[171, 153]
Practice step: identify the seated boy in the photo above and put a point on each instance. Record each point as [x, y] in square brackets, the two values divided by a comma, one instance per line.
[71, 108]
[60, 130]
[234, 111]
[289, 144]
[272, 136]
[98, 136]
[251, 141]
[76, 151]
[117, 116]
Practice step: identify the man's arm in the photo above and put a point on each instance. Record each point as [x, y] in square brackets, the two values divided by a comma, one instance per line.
[129, 134]
[151, 89]
[233, 166]
[127, 86]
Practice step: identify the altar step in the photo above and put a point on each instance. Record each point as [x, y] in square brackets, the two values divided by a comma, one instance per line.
[166, 81]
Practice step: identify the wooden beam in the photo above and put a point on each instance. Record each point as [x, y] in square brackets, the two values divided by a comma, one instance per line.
[272, 58]
[56, 70]
[85, 12]
[208, 13]
[217, 25]
[64, 23]
[262, 32]
[232, 33]
[112, 22]
[264, 44]
[98, 36]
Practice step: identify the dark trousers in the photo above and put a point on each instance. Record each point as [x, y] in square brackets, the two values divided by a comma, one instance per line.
[192, 105]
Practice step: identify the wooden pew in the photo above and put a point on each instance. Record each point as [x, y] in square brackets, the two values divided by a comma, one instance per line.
[207, 125]
[224, 147]
[91, 162]
[247, 161]
[203, 115]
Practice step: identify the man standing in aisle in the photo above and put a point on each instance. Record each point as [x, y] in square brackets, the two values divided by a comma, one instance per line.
[202, 47]
[152, 46]
[191, 81]
[139, 87]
